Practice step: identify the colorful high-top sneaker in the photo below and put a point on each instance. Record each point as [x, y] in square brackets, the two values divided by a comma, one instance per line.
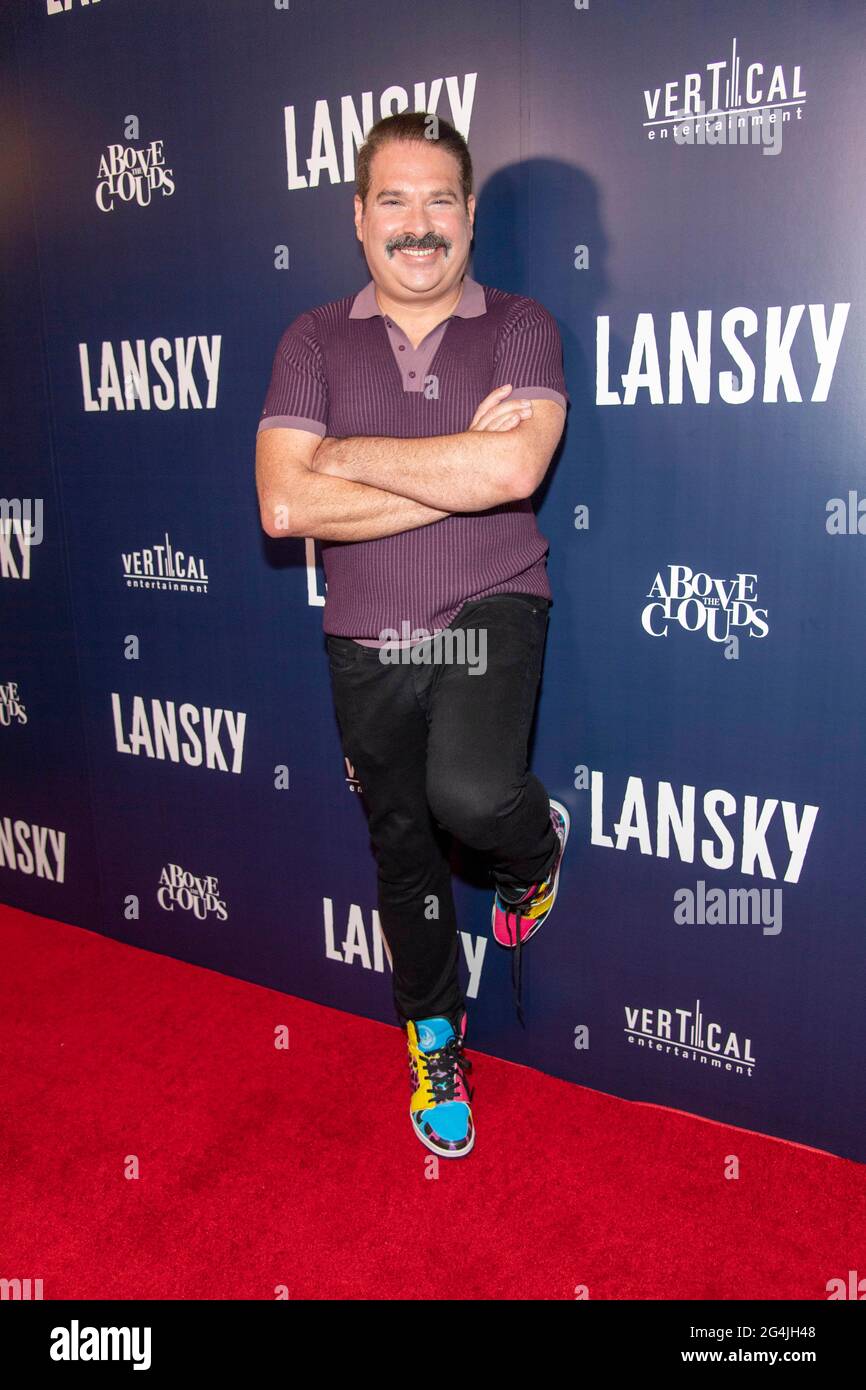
[517, 917]
[439, 1109]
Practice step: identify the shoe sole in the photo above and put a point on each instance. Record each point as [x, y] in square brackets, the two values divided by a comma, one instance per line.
[442, 1153]
[563, 810]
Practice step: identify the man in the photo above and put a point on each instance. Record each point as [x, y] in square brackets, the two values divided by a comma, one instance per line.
[407, 427]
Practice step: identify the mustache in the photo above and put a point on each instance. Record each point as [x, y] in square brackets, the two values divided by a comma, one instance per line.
[426, 243]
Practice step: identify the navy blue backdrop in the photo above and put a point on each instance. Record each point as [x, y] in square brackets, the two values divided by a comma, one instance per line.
[178, 181]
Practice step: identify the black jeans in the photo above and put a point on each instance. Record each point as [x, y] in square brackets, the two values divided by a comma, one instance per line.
[437, 748]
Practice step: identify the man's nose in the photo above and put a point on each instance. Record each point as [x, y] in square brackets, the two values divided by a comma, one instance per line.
[418, 222]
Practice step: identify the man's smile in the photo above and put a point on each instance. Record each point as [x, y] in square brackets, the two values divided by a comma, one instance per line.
[418, 255]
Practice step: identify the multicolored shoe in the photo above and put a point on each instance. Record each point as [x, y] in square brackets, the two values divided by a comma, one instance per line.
[519, 918]
[439, 1109]
[515, 919]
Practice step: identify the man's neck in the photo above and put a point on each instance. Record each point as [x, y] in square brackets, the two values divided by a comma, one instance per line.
[417, 320]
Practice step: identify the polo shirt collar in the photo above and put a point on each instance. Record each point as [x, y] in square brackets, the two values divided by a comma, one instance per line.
[469, 305]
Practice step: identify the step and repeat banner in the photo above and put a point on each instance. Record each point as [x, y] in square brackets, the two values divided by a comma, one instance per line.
[681, 186]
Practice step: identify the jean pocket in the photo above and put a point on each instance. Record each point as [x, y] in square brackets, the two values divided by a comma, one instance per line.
[342, 653]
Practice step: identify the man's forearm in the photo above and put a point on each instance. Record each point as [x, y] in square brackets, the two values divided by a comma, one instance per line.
[466, 472]
[333, 509]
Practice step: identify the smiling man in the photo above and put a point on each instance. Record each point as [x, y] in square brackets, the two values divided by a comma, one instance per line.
[407, 427]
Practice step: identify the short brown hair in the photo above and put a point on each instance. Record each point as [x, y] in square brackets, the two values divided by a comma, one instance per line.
[412, 125]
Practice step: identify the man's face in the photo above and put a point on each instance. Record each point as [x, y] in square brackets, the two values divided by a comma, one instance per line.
[415, 200]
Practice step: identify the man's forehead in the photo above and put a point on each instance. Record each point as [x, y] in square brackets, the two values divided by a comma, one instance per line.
[394, 189]
[411, 155]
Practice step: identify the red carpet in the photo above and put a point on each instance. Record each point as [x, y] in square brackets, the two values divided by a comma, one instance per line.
[256, 1170]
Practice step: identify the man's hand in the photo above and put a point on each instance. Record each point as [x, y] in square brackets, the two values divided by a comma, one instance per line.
[499, 415]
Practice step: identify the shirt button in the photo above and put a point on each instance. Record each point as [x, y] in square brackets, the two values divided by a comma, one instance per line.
[402, 348]
[411, 373]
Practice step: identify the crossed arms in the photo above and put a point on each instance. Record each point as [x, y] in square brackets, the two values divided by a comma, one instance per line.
[365, 486]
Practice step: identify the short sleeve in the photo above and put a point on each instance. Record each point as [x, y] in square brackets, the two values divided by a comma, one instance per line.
[529, 355]
[297, 397]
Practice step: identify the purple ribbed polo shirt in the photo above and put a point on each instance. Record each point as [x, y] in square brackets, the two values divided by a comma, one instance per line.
[345, 368]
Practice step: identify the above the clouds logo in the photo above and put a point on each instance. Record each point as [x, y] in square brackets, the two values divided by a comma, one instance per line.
[11, 704]
[190, 893]
[130, 175]
[720, 608]
[724, 88]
